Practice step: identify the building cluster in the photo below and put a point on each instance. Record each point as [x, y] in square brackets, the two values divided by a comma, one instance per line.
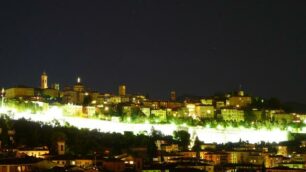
[81, 101]
[169, 157]
[241, 157]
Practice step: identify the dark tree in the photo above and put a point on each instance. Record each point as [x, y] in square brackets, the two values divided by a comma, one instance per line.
[183, 137]
[197, 147]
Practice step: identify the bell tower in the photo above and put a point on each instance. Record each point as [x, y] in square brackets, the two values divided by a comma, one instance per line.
[44, 81]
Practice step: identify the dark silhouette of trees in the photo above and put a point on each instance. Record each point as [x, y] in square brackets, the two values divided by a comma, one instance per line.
[78, 141]
[197, 147]
[183, 137]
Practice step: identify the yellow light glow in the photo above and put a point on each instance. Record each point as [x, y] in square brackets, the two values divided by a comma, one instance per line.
[205, 133]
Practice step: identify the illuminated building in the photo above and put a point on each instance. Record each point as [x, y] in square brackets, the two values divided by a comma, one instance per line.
[79, 95]
[210, 146]
[191, 110]
[79, 87]
[69, 96]
[26, 92]
[189, 154]
[238, 157]
[151, 104]
[19, 91]
[240, 100]
[256, 158]
[220, 104]
[44, 81]
[205, 111]
[217, 157]
[72, 110]
[30, 92]
[36, 152]
[160, 114]
[258, 114]
[115, 99]
[137, 99]
[207, 101]
[283, 117]
[56, 86]
[282, 150]
[122, 90]
[301, 117]
[132, 162]
[17, 165]
[273, 160]
[61, 147]
[51, 92]
[62, 161]
[170, 148]
[232, 114]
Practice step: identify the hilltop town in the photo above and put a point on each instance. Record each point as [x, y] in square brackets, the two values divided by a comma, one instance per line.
[230, 109]
[43, 146]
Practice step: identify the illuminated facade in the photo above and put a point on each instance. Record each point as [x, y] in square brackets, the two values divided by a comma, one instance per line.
[236, 157]
[44, 81]
[207, 101]
[217, 157]
[79, 95]
[41, 93]
[61, 147]
[191, 110]
[282, 150]
[20, 91]
[122, 90]
[232, 114]
[37, 153]
[240, 100]
[160, 114]
[207, 111]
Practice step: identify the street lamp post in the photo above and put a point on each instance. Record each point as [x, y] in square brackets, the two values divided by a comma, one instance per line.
[2, 97]
[95, 162]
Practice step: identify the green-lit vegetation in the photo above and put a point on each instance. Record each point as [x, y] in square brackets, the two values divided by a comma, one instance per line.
[135, 115]
[84, 141]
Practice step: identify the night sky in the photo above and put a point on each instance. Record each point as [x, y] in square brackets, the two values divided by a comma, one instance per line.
[192, 47]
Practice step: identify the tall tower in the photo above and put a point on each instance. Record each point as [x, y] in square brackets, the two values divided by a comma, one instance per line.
[173, 96]
[240, 92]
[122, 90]
[61, 147]
[44, 81]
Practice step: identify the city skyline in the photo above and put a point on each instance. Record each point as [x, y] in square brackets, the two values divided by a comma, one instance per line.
[154, 47]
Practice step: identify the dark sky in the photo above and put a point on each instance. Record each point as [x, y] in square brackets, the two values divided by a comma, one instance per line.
[193, 47]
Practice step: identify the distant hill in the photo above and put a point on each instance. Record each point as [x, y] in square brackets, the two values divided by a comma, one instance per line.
[296, 107]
